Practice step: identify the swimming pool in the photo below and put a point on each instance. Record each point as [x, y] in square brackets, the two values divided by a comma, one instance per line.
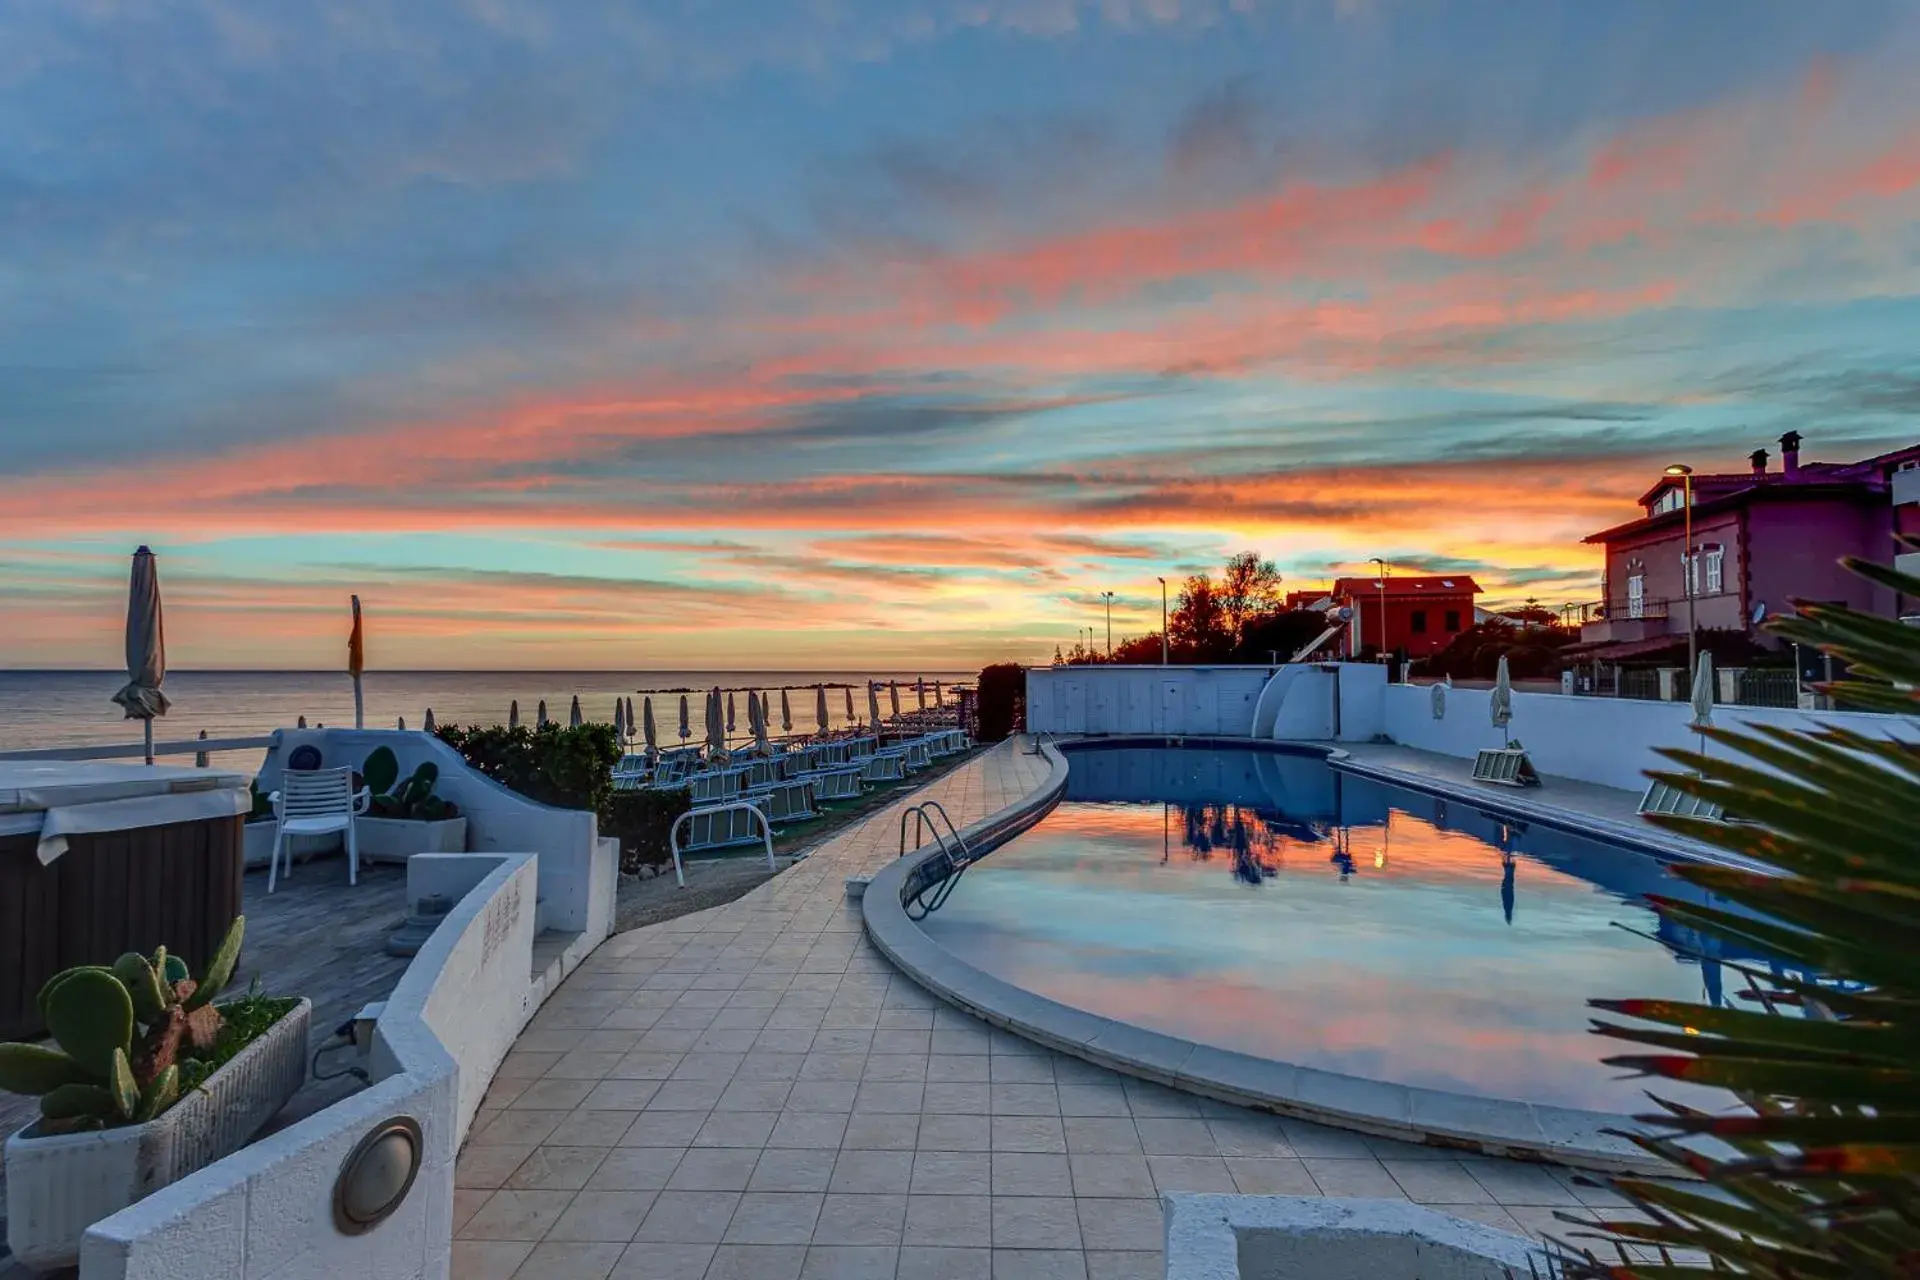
[1271, 904]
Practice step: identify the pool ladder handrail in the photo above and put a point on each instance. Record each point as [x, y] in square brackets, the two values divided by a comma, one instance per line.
[948, 842]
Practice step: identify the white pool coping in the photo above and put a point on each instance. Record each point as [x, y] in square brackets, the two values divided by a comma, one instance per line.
[1493, 1126]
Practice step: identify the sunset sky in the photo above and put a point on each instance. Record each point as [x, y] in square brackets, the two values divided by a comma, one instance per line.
[891, 332]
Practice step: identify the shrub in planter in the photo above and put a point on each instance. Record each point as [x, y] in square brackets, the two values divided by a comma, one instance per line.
[128, 1038]
[643, 822]
[570, 768]
[410, 801]
[146, 1081]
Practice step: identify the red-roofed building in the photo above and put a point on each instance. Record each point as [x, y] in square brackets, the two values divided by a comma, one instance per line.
[1416, 616]
[1761, 539]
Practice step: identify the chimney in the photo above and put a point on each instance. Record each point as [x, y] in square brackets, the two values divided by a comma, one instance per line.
[1759, 460]
[1790, 454]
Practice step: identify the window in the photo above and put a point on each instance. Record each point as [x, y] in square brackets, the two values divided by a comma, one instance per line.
[1637, 595]
[1453, 619]
[1689, 574]
[1671, 499]
[1419, 622]
[1715, 578]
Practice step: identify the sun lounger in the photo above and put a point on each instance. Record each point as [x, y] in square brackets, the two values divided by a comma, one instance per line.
[715, 785]
[784, 801]
[842, 783]
[720, 829]
[885, 767]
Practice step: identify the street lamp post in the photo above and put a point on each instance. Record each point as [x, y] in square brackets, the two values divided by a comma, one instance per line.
[1685, 473]
[1163, 622]
[1383, 604]
[1108, 597]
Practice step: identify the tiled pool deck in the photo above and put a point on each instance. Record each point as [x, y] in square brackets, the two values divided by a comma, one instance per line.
[753, 1092]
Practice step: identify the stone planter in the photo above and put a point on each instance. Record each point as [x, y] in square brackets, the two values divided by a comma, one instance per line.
[59, 1186]
[1220, 1237]
[398, 839]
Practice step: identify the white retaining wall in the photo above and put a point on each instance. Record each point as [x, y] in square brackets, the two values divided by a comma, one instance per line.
[1609, 741]
[577, 879]
[1299, 701]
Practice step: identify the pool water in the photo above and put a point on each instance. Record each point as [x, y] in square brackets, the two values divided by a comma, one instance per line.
[1270, 904]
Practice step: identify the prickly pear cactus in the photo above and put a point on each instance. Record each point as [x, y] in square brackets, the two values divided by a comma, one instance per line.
[120, 1034]
[91, 1015]
[381, 770]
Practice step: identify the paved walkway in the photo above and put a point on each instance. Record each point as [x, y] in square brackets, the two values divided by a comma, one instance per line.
[753, 1092]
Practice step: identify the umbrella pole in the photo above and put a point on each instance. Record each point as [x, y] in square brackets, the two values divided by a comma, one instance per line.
[147, 737]
[359, 707]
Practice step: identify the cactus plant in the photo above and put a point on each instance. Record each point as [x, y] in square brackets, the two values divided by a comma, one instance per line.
[411, 799]
[120, 1033]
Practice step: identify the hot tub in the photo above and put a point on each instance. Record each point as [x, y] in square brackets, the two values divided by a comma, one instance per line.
[97, 859]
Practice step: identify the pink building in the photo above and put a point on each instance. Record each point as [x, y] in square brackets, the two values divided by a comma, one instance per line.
[1760, 539]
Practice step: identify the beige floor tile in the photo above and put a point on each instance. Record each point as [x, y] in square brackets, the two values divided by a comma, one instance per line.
[552, 1168]
[1035, 1222]
[571, 1260]
[920, 1262]
[1253, 1136]
[955, 1133]
[1106, 1265]
[517, 1215]
[1093, 1100]
[1039, 1264]
[656, 1261]
[489, 1259]
[1101, 1134]
[850, 1262]
[1437, 1182]
[1116, 1173]
[793, 1169]
[592, 1129]
[1120, 1224]
[635, 1169]
[1020, 1173]
[882, 1131]
[861, 1219]
[737, 1129]
[774, 1217]
[487, 1167]
[689, 1217]
[757, 1262]
[714, 1169]
[1353, 1178]
[949, 1220]
[1028, 1133]
[872, 1172]
[1175, 1137]
[1271, 1176]
[603, 1216]
[949, 1173]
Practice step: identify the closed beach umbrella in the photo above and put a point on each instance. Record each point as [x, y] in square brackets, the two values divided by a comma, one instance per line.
[141, 697]
[938, 697]
[633, 726]
[716, 725]
[873, 705]
[686, 728]
[513, 714]
[573, 713]
[766, 710]
[851, 718]
[619, 721]
[920, 692]
[1500, 705]
[427, 725]
[786, 713]
[646, 724]
[730, 720]
[893, 697]
[1703, 696]
[357, 663]
[540, 717]
[757, 713]
[820, 707]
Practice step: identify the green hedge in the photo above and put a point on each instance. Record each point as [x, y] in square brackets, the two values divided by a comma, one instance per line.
[1003, 700]
[573, 769]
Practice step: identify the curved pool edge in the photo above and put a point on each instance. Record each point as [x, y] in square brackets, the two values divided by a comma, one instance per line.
[1491, 1126]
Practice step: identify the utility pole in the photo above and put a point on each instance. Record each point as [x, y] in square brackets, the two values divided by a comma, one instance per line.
[1108, 596]
[1163, 622]
[1685, 473]
[1382, 649]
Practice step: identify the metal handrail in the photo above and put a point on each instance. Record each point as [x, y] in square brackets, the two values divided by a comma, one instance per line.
[673, 835]
[922, 814]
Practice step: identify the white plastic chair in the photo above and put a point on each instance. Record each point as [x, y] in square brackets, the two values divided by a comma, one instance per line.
[313, 803]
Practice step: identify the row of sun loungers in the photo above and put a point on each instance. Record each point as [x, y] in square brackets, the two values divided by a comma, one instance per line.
[786, 787]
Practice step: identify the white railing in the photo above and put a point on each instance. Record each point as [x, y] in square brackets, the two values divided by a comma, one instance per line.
[137, 750]
[673, 837]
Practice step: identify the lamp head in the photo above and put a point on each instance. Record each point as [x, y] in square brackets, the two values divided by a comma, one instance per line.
[1679, 469]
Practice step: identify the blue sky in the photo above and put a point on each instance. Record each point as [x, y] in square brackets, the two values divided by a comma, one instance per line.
[668, 334]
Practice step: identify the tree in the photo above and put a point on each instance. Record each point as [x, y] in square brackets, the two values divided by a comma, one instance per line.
[1283, 633]
[1198, 626]
[1250, 587]
[1819, 1174]
[1139, 650]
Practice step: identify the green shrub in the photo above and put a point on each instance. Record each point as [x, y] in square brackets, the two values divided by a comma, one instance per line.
[1003, 700]
[643, 822]
[563, 767]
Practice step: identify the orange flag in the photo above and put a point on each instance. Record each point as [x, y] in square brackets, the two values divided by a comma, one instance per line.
[356, 648]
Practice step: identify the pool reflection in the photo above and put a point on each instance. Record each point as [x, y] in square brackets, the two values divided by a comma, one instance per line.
[1270, 904]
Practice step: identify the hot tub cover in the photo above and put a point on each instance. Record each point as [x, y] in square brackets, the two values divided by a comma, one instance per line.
[55, 799]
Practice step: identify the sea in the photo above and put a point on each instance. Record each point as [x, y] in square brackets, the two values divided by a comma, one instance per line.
[42, 709]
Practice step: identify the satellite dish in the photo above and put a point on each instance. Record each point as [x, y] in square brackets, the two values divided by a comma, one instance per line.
[1759, 613]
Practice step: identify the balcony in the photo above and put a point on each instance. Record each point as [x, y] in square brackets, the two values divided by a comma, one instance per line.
[1612, 622]
[1906, 486]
